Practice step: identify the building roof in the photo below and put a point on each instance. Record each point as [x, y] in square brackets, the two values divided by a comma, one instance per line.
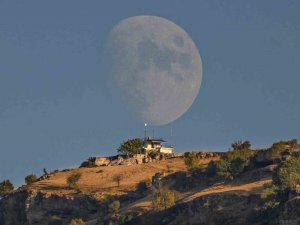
[155, 139]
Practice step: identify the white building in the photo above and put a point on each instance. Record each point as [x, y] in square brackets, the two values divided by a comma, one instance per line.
[155, 145]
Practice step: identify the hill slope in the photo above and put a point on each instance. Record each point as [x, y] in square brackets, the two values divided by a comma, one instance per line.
[200, 198]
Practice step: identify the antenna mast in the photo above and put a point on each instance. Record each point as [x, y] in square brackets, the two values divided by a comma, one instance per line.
[145, 131]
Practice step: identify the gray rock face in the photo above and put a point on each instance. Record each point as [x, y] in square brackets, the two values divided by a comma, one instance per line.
[34, 208]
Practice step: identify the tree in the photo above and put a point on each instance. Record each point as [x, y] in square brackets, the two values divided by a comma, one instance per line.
[30, 179]
[77, 222]
[241, 145]
[6, 187]
[73, 179]
[287, 174]
[117, 178]
[164, 200]
[131, 146]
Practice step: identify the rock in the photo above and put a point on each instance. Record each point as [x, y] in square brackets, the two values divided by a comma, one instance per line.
[34, 208]
[128, 162]
[216, 209]
[140, 158]
[101, 161]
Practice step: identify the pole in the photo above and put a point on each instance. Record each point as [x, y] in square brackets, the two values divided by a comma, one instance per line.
[145, 131]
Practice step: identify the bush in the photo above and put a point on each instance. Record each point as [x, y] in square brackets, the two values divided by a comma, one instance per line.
[114, 206]
[6, 187]
[232, 163]
[274, 152]
[241, 145]
[126, 218]
[287, 174]
[30, 179]
[191, 161]
[164, 200]
[269, 191]
[238, 166]
[270, 208]
[77, 222]
[73, 179]
[220, 168]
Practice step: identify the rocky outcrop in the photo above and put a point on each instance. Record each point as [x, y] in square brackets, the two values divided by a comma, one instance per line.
[227, 209]
[35, 208]
[142, 158]
[202, 155]
[269, 156]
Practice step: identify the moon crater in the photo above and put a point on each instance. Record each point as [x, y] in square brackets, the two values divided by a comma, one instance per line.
[154, 67]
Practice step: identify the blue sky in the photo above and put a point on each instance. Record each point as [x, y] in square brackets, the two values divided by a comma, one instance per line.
[56, 111]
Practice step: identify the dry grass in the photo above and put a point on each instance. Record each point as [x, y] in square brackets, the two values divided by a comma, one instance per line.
[100, 180]
[252, 187]
[144, 204]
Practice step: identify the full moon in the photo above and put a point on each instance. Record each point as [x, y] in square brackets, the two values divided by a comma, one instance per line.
[154, 67]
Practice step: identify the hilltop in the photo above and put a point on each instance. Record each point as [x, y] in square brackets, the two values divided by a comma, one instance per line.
[238, 187]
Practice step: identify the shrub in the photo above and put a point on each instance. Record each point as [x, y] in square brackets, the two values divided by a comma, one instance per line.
[269, 191]
[106, 199]
[287, 174]
[220, 168]
[73, 179]
[114, 206]
[238, 166]
[126, 218]
[6, 187]
[269, 210]
[274, 152]
[30, 179]
[241, 145]
[164, 200]
[231, 163]
[191, 161]
[77, 222]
